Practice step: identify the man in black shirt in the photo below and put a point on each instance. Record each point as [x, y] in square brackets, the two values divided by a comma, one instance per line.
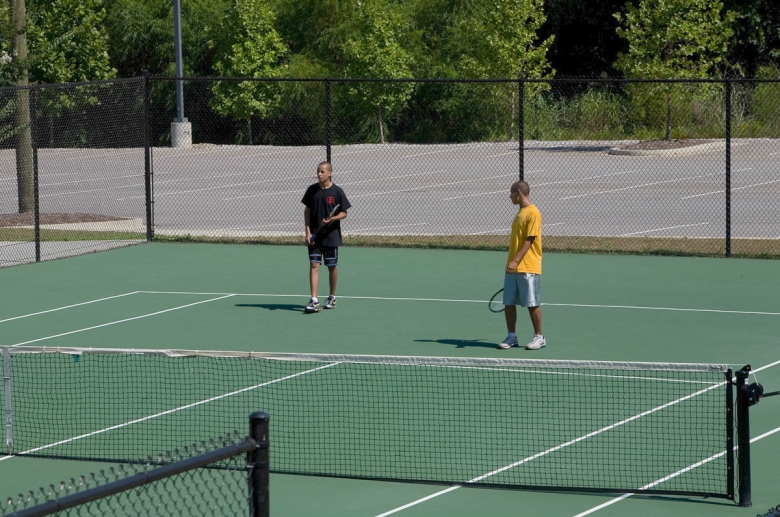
[323, 231]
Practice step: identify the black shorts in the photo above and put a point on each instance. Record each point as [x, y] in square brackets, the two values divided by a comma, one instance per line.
[317, 253]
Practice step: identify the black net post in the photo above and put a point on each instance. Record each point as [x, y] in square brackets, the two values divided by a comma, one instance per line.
[258, 461]
[728, 167]
[148, 159]
[730, 434]
[36, 182]
[743, 437]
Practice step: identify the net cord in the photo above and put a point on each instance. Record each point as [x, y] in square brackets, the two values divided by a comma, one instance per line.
[391, 360]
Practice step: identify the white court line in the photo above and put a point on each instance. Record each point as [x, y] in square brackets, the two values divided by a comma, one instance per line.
[434, 185]
[439, 151]
[318, 149]
[637, 307]
[534, 185]
[168, 412]
[642, 185]
[185, 153]
[139, 151]
[544, 225]
[681, 471]
[733, 189]
[67, 307]
[347, 183]
[351, 232]
[660, 229]
[121, 321]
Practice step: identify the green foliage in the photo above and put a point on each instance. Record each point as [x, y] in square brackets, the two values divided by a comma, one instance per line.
[674, 38]
[67, 41]
[499, 39]
[141, 35]
[253, 50]
[373, 49]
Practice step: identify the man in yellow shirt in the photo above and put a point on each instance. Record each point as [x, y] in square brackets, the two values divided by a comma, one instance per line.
[523, 275]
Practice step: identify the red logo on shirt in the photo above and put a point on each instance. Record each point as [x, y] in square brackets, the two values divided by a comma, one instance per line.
[331, 200]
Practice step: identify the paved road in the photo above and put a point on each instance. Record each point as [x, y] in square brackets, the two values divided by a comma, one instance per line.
[420, 189]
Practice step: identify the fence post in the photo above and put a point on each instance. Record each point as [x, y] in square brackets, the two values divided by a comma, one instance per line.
[327, 120]
[36, 181]
[728, 168]
[258, 461]
[148, 160]
[521, 126]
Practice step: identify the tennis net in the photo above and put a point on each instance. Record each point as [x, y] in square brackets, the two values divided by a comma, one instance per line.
[544, 424]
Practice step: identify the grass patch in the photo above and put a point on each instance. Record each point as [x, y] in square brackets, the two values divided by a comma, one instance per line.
[743, 248]
[28, 235]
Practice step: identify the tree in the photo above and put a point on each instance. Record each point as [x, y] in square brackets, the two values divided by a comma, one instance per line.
[499, 39]
[255, 50]
[141, 35]
[54, 41]
[685, 39]
[373, 49]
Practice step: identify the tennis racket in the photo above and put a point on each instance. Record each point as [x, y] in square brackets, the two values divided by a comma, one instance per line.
[321, 228]
[496, 303]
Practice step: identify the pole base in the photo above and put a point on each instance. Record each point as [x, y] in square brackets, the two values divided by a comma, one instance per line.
[181, 134]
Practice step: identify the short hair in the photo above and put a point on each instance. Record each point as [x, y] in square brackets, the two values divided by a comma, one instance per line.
[521, 186]
[326, 164]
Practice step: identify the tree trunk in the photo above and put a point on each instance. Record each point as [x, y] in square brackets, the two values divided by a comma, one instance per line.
[249, 129]
[512, 120]
[381, 125]
[24, 154]
[668, 115]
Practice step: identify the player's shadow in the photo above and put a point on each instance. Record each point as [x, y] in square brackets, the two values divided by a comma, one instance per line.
[459, 343]
[274, 306]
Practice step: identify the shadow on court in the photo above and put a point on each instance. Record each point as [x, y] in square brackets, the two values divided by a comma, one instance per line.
[460, 343]
[274, 306]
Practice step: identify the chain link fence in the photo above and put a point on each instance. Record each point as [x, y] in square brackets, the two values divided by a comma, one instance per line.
[216, 478]
[688, 167]
[71, 162]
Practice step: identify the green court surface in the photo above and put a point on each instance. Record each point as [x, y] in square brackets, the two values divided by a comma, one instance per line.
[410, 302]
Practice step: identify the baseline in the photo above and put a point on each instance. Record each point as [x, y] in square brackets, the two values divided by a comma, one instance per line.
[448, 300]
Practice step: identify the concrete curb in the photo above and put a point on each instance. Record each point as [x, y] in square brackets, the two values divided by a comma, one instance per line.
[680, 151]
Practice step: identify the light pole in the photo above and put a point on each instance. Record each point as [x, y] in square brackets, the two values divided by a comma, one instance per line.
[181, 129]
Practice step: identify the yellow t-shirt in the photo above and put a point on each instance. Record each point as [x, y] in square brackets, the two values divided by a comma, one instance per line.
[527, 223]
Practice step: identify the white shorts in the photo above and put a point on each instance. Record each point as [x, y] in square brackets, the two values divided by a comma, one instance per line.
[523, 289]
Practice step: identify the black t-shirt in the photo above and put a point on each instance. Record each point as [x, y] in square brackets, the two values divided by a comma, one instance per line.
[320, 202]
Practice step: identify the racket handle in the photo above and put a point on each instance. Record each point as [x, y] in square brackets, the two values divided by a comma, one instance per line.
[311, 239]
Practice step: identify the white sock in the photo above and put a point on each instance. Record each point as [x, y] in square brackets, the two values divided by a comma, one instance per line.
[512, 334]
[314, 299]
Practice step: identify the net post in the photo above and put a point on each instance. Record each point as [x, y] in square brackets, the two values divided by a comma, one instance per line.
[9, 430]
[730, 434]
[258, 461]
[743, 437]
[148, 158]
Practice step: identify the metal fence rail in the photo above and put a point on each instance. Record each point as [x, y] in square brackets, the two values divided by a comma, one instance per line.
[688, 167]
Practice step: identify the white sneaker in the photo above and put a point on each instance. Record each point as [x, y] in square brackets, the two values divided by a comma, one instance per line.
[536, 343]
[509, 342]
[331, 302]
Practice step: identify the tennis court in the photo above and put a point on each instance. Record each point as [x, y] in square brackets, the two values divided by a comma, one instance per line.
[427, 303]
